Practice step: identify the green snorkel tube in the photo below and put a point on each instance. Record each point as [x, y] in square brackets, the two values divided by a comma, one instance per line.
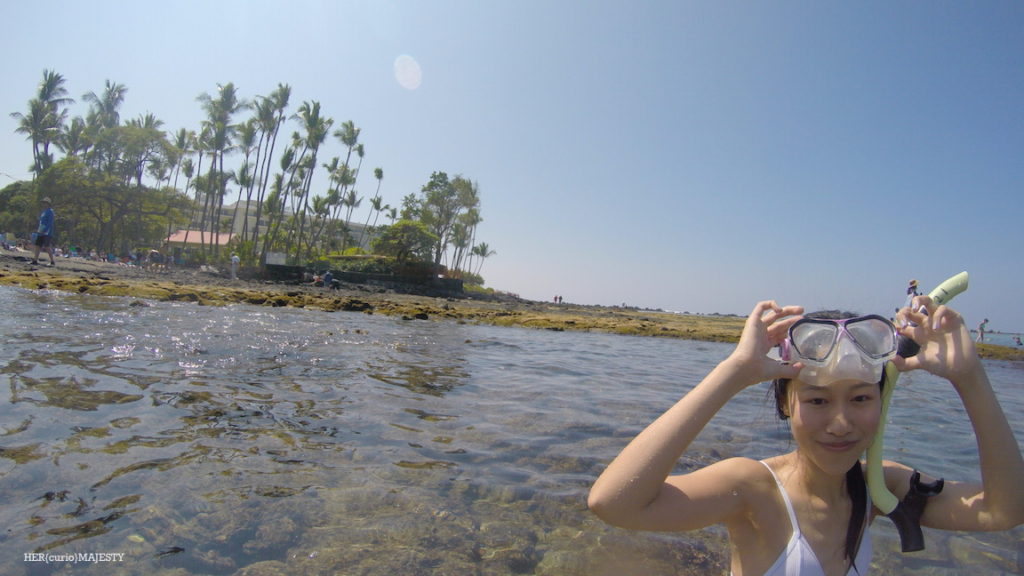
[905, 514]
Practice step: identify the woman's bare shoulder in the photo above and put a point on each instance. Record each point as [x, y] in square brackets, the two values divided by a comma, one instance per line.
[732, 474]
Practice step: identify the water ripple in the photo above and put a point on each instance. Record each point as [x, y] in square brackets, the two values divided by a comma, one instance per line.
[208, 440]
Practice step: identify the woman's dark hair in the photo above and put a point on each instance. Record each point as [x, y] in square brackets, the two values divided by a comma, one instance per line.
[856, 486]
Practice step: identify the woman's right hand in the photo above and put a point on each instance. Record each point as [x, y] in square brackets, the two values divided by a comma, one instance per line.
[766, 327]
[947, 350]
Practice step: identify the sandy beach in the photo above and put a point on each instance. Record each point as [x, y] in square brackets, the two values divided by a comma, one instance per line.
[214, 288]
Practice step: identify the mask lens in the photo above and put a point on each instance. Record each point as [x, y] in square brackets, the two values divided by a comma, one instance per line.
[874, 336]
[813, 340]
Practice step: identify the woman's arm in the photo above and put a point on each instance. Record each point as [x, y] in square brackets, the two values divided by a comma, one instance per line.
[947, 351]
[635, 491]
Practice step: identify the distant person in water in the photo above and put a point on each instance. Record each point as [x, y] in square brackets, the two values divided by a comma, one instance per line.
[807, 511]
[981, 330]
[44, 233]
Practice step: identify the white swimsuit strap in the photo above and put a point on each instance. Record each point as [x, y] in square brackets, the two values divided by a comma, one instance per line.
[785, 498]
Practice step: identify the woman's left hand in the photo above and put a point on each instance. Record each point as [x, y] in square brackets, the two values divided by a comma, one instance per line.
[946, 347]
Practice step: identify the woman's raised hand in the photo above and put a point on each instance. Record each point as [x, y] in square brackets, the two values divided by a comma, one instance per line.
[946, 347]
[766, 327]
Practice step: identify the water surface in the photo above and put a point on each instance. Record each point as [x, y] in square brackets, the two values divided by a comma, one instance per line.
[199, 440]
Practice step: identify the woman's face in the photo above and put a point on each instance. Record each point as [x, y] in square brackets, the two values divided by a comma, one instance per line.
[834, 424]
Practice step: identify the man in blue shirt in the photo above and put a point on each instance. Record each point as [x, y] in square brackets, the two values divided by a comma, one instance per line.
[44, 234]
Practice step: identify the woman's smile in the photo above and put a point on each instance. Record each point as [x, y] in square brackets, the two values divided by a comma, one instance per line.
[843, 446]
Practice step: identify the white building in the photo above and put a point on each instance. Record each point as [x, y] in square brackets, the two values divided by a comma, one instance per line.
[239, 222]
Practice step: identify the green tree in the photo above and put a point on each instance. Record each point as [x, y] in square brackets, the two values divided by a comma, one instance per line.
[348, 134]
[220, 132]
[144, 145]
[103, 118]
[245, 176]
[483, 252]
[18, 209]
[104, 109]
[443, 201]
[406, 241]
[44, 122]
[270, 115]
[74, 141]
[376, 206]
[36, 127]
[182, 149]
[99, 209]
[316, 129]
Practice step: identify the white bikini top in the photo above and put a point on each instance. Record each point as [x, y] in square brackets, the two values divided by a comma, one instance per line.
[799, 559]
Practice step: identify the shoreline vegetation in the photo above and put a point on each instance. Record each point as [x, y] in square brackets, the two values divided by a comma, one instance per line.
[214, 288]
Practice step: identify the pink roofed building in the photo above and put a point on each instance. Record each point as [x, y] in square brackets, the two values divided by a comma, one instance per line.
[197, 238]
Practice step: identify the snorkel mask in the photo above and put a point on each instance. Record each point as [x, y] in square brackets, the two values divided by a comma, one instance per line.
[845, 349]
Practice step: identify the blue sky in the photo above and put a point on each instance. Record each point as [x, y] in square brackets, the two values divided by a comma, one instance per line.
[690, 156]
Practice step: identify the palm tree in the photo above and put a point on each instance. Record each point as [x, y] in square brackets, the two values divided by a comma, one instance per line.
[45, 119]
[55, 96]
[147, 148]
[482, 251]
[104, 109]
[465, 236]
[36, 126]
[270, 114]
[349, 136]
[104, 116]
[74, 140]
[200, 143]
[246, 175]
[276, 199]
[219, 111]
[376, 203]
[317, 129]
[351, 200]
[182, 146]
[469, 199]
[52, 90]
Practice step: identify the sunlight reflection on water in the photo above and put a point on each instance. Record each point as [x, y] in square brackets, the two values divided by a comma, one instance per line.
[207, 440]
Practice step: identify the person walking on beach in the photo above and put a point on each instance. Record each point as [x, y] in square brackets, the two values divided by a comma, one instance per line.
[981, 330]
[807, 511]
[44, 233]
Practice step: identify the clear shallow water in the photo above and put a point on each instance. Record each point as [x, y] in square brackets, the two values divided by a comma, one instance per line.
[247, 440]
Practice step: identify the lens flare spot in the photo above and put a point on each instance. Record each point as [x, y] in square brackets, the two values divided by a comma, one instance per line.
[408, 72]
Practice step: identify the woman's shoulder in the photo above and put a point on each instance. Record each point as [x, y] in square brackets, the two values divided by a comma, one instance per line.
[752, 476]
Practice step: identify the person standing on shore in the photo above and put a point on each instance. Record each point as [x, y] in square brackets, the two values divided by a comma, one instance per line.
[235, 260]
[981, 330]
[44, 234]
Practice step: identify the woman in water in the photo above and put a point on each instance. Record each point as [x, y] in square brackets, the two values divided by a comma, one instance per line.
[807, 512]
